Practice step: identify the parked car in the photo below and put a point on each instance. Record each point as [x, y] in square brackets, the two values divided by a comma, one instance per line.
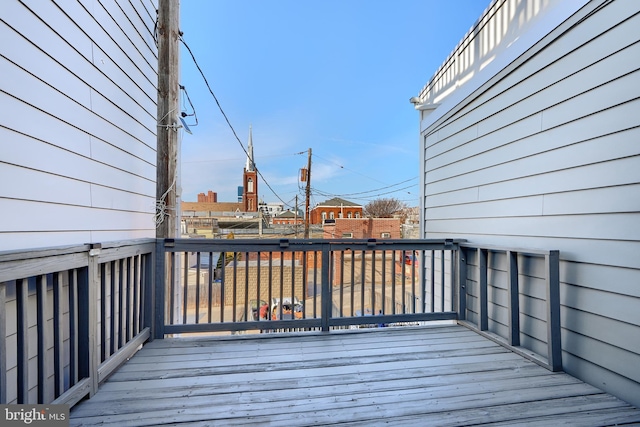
[289, 310]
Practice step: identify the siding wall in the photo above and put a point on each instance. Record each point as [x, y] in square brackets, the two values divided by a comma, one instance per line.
[546, 154]
[77, 121]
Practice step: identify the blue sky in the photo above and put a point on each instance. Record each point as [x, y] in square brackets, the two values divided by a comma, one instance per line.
[334, 76]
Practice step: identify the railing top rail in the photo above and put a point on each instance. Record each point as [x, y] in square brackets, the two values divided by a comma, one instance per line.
[497, 248]
[205, 245]
[26, 254]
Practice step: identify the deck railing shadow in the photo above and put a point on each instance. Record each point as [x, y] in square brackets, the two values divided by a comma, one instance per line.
[72, 315]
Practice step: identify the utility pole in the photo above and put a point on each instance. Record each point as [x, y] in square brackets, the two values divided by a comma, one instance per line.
[168, 92]
[308, 195]
[295, 220]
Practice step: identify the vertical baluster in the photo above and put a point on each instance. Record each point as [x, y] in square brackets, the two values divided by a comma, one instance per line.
[223, 284]
[432, 285]
[3, 344]
[362, 281]
[353, 282]
[58, 349]
[73, 327]
[304, 284]
[185, 287]
[341, 278]
[373, 282]
[442, 279]
[483, 317]
[113, 312]
[129, 304]
[41, 327]
[122, 273]
[423, 279]
[384, 282]
[315, 283]
[22, 296]
[247, 309]
[281, 293]
[234, 294]
[404, 281]
[172, 286]
[135, 309]
[393, 282]
[197, 307]
[210, 288]
[258, 290]
[270, 284]
[103, 312]
[413, 282]
[514, 298]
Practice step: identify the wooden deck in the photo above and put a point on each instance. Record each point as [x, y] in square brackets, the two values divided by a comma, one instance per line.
[418, 376]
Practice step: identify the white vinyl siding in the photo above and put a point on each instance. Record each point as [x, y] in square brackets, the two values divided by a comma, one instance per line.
[546, 155]
[77, 121]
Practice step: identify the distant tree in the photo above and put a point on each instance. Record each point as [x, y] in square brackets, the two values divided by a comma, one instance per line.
[384, 208]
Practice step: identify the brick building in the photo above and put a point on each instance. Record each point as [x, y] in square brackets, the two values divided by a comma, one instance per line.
[210, 197]
[333, 209]
[363, 228]
[288, 218]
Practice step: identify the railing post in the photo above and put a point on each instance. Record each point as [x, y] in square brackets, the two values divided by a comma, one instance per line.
[483, 306]
[554, 344]
[514, 298]
[325, 310]
[148, 293]
[158, 294]
[462, 283]
[94, 281]
[3, 345]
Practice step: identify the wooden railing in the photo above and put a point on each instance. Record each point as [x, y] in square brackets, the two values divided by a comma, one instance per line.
[218, 285]
[72, 315]
[69, 316]
[512, 296]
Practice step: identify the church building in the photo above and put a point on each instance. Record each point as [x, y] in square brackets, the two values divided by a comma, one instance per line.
[250, 181]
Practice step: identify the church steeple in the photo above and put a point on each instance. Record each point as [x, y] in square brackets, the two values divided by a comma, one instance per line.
[250, 180]
[250, 166]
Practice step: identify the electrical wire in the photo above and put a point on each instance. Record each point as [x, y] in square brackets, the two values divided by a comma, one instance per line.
[225, 115]
[383, 188]
[350, 170]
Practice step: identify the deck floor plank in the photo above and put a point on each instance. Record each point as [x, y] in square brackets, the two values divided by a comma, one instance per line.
[438, 375]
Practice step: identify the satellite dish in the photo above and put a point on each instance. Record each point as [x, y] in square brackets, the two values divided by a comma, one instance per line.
[185, 125]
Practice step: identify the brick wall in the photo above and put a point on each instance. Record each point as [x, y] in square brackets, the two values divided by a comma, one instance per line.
[364, 228]
[279, 275]
[210, 197]
[315, 216]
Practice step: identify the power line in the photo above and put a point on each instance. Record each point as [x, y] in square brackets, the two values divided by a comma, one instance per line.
[379, 189]
[350, 170]
[362, 198]
[224, 114]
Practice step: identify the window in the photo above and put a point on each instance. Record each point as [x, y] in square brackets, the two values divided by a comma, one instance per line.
[385, 235]
[324, 216]
[347, 235]
[357, 214]
[249, 185]
[331, 215]
[349, 215]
